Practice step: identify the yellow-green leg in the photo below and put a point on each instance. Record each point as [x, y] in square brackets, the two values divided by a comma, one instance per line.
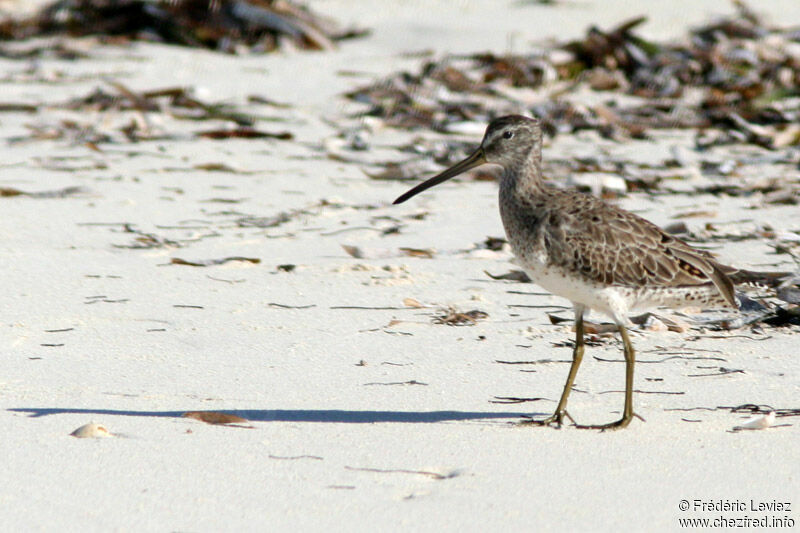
[557, 418]
[630, 360]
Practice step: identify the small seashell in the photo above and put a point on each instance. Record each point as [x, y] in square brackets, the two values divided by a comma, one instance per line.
[654, 324]
[676, 325]
[758, 422]
[91, 431]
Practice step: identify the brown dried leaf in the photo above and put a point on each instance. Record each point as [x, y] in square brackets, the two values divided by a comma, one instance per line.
[215, 167]
[10, 191]
[514, 275]
[411, 302]
[57, 193]
[215, 417]
[244, 133]
[353, 251]
[695, 214]
[418, 252]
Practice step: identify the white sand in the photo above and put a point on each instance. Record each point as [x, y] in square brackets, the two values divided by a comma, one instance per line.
[320, 384]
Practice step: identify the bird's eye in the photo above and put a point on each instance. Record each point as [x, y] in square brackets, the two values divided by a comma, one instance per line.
[508, 134]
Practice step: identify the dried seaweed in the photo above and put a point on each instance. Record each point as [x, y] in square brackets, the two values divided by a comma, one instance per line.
[176, 101]
[213, 262]
[514, 399]
[146, 241]
[10, 192]
[389, 383]
[453, 317]
[762, 409]
[224, 25]
[127, 117]
[433, 475]
[736, 74]
[244, 133]
[13, 107]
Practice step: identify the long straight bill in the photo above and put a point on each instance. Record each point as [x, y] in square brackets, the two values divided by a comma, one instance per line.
[472, 161]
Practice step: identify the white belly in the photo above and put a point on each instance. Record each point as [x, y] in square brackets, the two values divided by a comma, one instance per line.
[610, 300]
[617, 301]
[613, 301]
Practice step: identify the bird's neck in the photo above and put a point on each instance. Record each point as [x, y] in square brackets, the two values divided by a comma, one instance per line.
[524, 177]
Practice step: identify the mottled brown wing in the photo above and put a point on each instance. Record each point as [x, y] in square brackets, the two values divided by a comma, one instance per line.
[616, 247]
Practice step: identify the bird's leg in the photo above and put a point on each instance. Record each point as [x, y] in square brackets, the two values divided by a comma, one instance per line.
[630, 360]
[557, 418]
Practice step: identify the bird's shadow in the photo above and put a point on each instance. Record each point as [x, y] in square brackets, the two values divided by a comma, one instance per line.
[295, 415]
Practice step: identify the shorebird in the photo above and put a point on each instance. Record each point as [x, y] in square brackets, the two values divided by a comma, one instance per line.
[595, 254]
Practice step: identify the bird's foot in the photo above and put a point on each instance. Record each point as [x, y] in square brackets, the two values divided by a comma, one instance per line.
[619, 424]
[555, 420]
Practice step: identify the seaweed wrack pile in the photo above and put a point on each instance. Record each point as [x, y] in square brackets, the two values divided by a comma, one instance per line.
[224, 25]
[736, 74]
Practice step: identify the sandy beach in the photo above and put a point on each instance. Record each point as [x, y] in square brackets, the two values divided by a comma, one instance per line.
[363, 412]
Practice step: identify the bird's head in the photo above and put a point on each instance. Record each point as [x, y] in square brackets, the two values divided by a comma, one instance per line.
[509, 141]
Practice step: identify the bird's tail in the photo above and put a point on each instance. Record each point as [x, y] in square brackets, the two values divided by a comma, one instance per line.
[769, 280]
